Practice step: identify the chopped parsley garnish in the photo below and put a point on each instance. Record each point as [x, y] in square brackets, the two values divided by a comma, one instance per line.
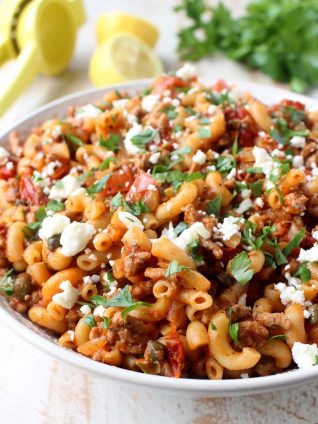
[140, 140]
[55, 206]
[174, 176]
[174, 267]
[180, 156]
[181, 227]
[221, 98]
[99, 185]
[294, 242]
[224, 164]
[303, 273]
[106, 163]
[204, 132]
[106, 322]
[90, 321]
[283, 133]
[122, 299]
[278, 337]
[7, 282]
[213, 326]
[134, 208]
[214, 206]
[70, 138]
[233, 331]
[111, 142]
[233, 328]
[256, 188]
[31, 229]
[256, 242]
[171, 112]
[240, 268]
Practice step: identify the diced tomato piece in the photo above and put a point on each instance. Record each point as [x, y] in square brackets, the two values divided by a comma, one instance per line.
[6, 173]
[307, 242]
[220, 85]
[168, 83]
[28, 191]
[175, 352]
[120, 181]
[141, 183]
[292, 103]
[62, 170]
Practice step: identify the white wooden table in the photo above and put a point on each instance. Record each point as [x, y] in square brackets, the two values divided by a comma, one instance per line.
[37, 389]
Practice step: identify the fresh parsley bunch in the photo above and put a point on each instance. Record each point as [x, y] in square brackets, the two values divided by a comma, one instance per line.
[277, 37]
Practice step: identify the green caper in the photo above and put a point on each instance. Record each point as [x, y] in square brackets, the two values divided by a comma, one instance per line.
[22, 285]
[154, 351]
[313, 310]
[54, 242]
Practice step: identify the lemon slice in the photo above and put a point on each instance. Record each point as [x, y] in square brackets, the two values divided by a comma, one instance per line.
[123, 57]
[111, 23]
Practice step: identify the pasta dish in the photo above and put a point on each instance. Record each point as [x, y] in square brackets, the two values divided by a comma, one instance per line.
[172, 232]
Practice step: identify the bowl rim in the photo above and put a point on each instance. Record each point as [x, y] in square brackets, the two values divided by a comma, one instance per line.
[191, 386]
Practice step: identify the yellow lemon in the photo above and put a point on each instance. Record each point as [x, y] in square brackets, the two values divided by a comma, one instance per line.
[123, 57]
[111, 23]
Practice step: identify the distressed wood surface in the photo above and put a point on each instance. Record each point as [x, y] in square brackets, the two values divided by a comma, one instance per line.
[37, 389]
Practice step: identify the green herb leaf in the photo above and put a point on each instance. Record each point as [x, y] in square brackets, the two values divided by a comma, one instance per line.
[7, 282]
[55, 206]
[181, 227]
[174, 267]
[106, 163]
[240, 268]
[70, 138]
[303, 273]
[233, 331]
[213, 326]
[294, 242]
[204, 132]
[124, 299]
[90, 321]
[278, 337]
[224, 164]
[99, 185]
[106, 322]
[111, 142]
[144, 138]
[214, 206]
[256, 188]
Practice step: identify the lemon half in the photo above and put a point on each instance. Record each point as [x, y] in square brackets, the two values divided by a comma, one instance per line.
[123, 57]
[109, 24]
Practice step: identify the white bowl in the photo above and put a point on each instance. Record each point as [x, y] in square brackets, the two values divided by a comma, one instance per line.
[196, 387]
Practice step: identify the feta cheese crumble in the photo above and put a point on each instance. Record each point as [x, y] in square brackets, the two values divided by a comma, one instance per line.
[310, 255]
[131, 148]
[85, 310]
[199, 158]
[187, 71]
[68, 297]
[244, 206]
[189, 235]
[298, 141]
[154, 158]
[228, 228]
[64, 188]
[88, 111]
[304, 354]
[75, 237]
[53, 225]
[99, 311]
[149, 102]
[289, 294]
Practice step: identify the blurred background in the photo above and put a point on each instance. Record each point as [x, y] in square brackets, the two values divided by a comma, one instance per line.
[279, 38]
